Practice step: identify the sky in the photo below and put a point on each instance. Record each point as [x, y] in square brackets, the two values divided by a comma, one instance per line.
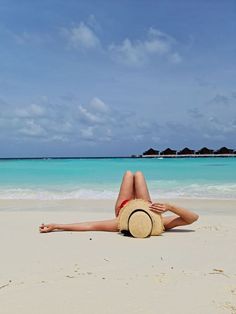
[114, 78]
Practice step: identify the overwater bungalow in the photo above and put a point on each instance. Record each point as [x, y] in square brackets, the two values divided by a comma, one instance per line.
[151, 152]
[186, 151]
[204, 151]
[224, 150]
[168, 151]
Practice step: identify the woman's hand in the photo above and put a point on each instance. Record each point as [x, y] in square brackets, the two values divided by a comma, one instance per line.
[158, 208]
[47, 228]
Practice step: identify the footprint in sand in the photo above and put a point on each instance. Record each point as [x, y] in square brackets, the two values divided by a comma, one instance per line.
[210, 228]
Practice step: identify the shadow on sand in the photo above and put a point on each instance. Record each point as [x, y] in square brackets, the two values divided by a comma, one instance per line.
[180, 230]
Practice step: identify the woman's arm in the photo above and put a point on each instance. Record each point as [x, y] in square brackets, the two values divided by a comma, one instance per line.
[182, 216]
[105, 225]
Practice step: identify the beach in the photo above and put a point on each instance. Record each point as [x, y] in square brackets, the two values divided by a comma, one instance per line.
[120, 108]
[186, 270]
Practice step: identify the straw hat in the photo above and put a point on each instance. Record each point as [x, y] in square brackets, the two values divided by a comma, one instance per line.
[139, 220]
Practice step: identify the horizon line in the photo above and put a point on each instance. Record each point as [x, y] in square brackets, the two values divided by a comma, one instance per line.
[117, 157]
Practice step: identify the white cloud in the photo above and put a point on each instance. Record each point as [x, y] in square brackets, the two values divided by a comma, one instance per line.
[33, 110]
[59, 138]
[48, 122]
[88, 116]
[98, 105]
[155, 45]
[32, 129]
[175, 58]
[157, 42]
[95, 134]
[93, 23]
[37, 110]
[24, 38]
[128, 53]
[87, 133]
[214, 119]
[22, 113]
[89, 124]
[136, 53]
[81, 36]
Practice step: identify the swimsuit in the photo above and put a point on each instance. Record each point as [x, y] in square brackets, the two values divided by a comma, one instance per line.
[121, 206]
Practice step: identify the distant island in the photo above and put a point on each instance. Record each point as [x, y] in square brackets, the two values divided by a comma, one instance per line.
[186, 152]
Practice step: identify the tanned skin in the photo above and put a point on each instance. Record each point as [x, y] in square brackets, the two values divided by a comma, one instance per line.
[132, 186]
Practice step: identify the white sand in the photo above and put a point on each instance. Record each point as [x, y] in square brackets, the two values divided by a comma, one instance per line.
[187, 270]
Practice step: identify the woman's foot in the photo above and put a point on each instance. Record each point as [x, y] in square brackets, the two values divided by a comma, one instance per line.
[47, 228]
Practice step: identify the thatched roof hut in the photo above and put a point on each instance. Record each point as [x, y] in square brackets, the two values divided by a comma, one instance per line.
[186, 151]
[151, 152]
[205, 151]
[224, 150]
[168, 151]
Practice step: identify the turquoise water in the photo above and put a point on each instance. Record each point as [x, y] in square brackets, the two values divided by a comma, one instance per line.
[100, 178]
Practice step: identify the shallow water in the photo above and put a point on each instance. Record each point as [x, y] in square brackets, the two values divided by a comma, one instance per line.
[100, 178]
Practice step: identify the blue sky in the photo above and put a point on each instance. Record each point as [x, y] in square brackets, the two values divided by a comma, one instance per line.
[113, 78]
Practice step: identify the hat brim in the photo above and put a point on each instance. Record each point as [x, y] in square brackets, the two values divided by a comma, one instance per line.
[139, 220]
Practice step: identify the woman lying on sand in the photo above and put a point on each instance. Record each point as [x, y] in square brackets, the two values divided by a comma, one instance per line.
[132, 186]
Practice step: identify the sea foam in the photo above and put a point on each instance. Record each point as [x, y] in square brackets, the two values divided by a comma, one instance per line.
[201, 191]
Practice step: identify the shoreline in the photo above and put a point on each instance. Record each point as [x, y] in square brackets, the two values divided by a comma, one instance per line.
[202, 206]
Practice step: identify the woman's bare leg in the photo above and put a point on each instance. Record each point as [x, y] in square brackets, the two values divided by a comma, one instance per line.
[126, 190]
[140, 186]
[105, 225]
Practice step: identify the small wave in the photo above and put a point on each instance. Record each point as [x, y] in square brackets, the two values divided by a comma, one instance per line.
[166, 191]
[28, 194]
[201, 191]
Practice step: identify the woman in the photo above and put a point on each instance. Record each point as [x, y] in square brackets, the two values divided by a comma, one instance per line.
[132, 186]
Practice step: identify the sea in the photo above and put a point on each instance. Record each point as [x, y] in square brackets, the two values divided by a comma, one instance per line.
[100, 178]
